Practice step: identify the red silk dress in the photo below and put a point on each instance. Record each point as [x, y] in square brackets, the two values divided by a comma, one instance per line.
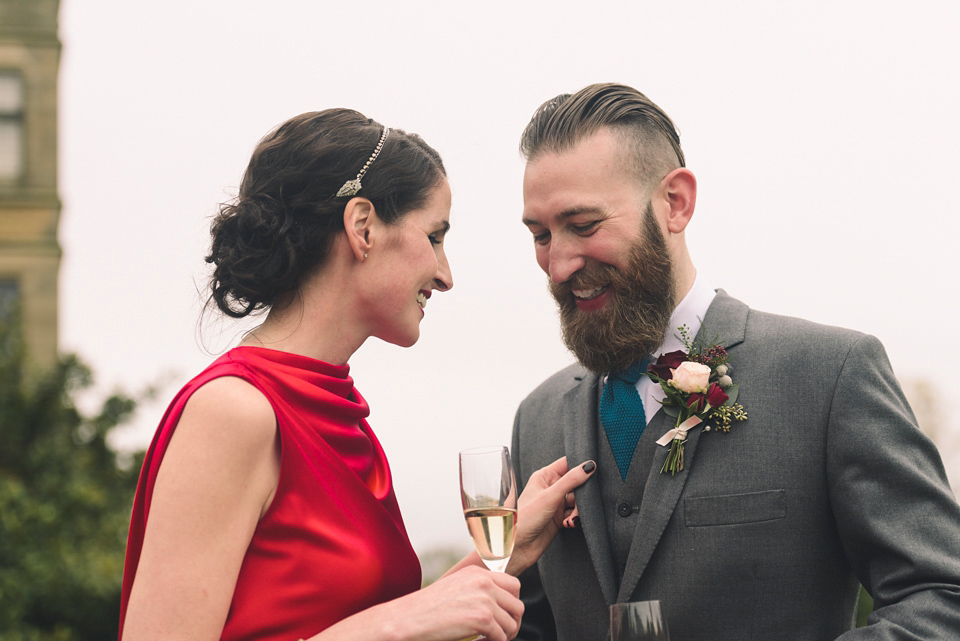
[332, 542]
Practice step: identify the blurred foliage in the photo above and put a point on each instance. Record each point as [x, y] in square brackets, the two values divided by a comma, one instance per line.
[864, 607]
[64, 502]
[435, 562]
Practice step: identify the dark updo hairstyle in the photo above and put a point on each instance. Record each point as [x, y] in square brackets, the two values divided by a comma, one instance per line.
[282, 224]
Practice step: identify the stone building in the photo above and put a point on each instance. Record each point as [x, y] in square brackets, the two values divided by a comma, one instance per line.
[29, 201]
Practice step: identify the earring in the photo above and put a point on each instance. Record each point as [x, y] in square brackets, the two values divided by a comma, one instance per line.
[364, 255]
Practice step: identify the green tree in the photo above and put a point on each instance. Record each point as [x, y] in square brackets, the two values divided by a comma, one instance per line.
[64, 502]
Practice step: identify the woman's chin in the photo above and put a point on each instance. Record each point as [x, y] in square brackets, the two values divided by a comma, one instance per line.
[402, 340]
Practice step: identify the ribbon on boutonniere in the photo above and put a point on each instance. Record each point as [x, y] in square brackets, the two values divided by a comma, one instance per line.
[698, 389]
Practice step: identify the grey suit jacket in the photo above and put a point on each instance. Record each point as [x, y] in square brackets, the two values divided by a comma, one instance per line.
[766, 532]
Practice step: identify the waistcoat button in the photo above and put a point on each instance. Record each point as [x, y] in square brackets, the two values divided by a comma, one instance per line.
[624, 509]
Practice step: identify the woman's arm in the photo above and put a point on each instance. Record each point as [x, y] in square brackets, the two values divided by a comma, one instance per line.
[469, 602]
[217, 478]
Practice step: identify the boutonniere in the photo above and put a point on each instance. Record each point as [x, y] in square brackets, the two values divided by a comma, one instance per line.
[698, 390]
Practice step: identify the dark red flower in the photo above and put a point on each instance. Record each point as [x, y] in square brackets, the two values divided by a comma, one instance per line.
[697, 402]
[667, 361]
[716, 396]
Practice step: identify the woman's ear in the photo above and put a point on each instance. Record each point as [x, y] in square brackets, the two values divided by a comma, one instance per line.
[680, 194]
[359, 216]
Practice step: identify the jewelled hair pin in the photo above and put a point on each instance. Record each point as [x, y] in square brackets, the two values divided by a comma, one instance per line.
[351, 187]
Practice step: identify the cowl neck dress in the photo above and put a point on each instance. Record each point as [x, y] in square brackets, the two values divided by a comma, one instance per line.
[332, 542]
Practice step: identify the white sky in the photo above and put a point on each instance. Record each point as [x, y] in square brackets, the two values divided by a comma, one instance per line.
[824, 136]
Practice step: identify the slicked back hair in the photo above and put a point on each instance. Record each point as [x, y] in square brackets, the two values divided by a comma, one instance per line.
[648, 137]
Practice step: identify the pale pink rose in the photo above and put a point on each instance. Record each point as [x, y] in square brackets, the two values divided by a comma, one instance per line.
[691, 377]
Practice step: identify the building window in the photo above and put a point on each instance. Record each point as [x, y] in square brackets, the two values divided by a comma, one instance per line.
[9, 296]
[11, 125]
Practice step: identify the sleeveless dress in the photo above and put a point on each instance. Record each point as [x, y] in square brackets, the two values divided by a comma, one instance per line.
[332, 542]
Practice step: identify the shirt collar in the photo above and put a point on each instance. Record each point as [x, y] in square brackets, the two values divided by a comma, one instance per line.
[690, 312]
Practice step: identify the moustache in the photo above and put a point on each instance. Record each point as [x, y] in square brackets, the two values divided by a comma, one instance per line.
[588, 277]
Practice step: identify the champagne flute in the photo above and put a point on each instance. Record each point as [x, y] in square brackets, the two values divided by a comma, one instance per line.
[488, 492]
[638, 621]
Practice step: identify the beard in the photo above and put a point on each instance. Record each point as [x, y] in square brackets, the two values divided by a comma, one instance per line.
[635, 320]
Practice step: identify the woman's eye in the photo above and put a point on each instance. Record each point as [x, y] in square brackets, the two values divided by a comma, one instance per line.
[434, 240]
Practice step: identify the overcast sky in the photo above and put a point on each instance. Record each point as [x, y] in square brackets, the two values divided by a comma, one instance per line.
[824, 136]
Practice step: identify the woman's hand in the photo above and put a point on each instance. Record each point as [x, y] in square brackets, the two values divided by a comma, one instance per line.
[457, 607]
[545, 506]
[475, 601]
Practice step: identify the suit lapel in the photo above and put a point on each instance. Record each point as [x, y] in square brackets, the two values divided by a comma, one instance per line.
[725, 321]
[580, 429]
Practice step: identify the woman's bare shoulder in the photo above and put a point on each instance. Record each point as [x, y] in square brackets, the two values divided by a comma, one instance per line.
[230, 408]
[227, 432]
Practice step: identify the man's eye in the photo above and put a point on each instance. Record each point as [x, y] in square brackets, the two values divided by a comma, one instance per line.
[541, 238]
[434, 240]
[586, 228]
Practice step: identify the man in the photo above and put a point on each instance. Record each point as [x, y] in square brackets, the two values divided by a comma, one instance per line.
[765, 530]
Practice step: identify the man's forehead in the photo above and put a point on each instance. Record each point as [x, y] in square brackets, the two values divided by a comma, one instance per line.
[600, 154]
[587, 178]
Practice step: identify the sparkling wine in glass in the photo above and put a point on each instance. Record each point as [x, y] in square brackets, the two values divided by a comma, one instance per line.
[489, 495]
[637, 621]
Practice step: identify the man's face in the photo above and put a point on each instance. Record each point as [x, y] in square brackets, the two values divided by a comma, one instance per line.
[598, 239]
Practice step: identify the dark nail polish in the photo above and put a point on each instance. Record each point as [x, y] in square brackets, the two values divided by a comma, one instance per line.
[589, 466]
[576, 521]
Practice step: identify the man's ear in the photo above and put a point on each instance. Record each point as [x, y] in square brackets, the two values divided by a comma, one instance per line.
[679, 191]
[359, 216]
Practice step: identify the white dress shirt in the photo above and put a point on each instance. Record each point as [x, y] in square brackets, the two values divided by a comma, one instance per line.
[689, 312]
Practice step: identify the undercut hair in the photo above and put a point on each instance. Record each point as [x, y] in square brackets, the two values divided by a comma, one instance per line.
[649, 139]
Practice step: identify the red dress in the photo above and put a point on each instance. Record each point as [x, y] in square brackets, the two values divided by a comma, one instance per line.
[332, 542]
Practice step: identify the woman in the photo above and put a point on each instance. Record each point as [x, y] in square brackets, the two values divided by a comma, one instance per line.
[265, 508]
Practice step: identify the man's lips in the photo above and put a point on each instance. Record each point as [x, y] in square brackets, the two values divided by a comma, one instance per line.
[588, 300]
[588, 294]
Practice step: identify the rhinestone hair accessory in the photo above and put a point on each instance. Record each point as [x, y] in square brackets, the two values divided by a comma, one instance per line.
[351, 187]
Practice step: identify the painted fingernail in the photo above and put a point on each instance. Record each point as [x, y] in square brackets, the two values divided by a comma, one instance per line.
[589, 466]
[576, 521]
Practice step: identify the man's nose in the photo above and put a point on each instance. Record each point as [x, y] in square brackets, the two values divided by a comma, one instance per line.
[564, 260]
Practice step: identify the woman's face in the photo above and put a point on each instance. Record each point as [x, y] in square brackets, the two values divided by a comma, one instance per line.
[409, 265]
